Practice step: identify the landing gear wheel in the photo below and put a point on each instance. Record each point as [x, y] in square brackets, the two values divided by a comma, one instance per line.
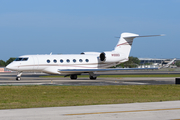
[73, 77]
[92, 77]
[18, 78]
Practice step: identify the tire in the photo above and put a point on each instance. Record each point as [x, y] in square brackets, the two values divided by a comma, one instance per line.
[92, 78]
[73, 77]
[18, 78]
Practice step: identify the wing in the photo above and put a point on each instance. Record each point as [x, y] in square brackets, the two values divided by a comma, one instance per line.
[100, 70]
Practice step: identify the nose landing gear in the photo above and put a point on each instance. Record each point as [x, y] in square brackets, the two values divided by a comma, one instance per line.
[18, 78]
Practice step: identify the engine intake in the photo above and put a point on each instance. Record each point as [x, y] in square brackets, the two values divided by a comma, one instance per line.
[110, 57]
[102, 56]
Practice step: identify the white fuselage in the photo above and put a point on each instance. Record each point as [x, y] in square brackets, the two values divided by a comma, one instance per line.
[52, 63]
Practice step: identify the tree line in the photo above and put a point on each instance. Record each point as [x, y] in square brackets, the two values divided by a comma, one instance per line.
[133, 62]
[177, 63]
[5, 63]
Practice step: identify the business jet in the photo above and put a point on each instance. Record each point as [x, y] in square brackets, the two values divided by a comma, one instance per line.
[76, 64]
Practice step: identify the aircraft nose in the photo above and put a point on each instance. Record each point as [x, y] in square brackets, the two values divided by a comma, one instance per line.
[11, 67]
[8, 66]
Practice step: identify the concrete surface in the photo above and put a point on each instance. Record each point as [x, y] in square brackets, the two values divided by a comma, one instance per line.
[169, 110]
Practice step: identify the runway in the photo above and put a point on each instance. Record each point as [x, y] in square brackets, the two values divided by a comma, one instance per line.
[34, 79]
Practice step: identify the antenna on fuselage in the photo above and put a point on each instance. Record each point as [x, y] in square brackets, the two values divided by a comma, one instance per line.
[51, 53]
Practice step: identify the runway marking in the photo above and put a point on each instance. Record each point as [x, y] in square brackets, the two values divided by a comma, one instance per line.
[122, 111]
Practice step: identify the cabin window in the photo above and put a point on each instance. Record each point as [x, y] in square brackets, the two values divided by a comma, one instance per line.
[55, 61]
[67, 60]
[80, 60]
[61, 61]
[74, 60]
[48, 61]
[87, 60]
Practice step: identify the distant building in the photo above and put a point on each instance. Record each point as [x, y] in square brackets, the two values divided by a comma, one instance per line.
[3, 69]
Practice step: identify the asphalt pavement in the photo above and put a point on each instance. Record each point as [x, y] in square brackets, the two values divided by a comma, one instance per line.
[34, 79]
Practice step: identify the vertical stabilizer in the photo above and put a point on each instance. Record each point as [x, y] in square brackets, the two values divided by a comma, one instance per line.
[125, 43]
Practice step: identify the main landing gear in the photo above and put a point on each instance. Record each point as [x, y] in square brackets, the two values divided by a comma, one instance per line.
[92, 76]
[18, 78]
[73, 77]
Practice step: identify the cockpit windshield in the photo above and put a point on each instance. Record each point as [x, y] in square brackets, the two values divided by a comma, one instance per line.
[21, 59]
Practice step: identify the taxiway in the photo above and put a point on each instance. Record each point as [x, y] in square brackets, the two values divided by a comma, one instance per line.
[34, 79]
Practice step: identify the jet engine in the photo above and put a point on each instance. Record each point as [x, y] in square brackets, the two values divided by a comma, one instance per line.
[110, 57]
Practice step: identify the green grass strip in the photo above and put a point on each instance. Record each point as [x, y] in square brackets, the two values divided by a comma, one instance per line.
[53, 96]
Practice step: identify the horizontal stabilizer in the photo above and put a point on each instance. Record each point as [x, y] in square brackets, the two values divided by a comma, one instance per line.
[144, 36]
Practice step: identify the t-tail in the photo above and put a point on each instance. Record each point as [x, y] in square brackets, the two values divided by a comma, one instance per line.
[125, 42]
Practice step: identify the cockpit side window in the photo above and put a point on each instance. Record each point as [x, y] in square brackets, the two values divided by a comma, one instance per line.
[18, 59]
[21, 59]
[24, 59]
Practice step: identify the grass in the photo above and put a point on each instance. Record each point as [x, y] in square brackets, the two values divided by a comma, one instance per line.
[119, 76]
[52, 96]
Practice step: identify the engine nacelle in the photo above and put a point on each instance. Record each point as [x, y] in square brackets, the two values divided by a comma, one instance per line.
[110, 57]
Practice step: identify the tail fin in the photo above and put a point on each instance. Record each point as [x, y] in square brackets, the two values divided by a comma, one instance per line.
[125, 43]
[169, 63]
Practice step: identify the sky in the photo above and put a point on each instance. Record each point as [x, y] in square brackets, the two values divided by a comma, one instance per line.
[76, 26]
